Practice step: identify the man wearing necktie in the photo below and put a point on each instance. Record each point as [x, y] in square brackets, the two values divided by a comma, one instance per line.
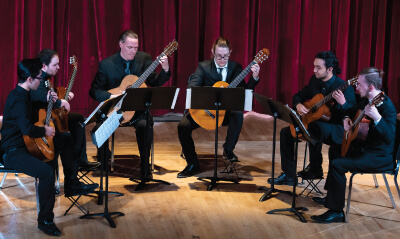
[219, 68]
[112, 70]
[324, 81]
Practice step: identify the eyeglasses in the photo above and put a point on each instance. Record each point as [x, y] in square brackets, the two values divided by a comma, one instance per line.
[218, 57]
[39, 78]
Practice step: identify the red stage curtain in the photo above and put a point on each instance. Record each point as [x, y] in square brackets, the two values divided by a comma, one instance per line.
[362, 32]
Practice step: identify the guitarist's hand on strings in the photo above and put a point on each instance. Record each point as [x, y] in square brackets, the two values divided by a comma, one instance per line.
[256, 70]
[301, 109]
[54, 94]
[164, 63]
[339, 97]
[50, 131]
[372, 112]
[66, 105]
[347, 123]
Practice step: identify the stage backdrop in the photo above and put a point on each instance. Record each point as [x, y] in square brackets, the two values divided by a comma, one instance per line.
[362, 32]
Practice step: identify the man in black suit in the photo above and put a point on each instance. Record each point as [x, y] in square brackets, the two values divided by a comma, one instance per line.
[220, 68]
[112, 70]
[324, 81]
[375, 153]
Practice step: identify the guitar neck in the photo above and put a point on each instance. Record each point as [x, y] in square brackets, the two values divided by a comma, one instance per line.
[49, 108]
[147, 72]
[329, 96]
[70, 83]
[241, 76]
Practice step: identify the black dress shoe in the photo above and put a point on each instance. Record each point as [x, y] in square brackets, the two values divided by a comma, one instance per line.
[319, 200]
[230, 156]
[189, 171]
[329, 216]
[86, 165]
[79, 188]
[48, 227]
[282, 179]
[311, 173]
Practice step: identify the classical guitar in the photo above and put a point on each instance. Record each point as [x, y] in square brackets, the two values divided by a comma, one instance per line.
[43, 147]
[60, 115]
[319, 109]
[359, 131]
[207, 118]
[132, 81]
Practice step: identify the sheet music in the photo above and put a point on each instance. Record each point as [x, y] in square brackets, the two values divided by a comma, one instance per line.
[303, 129]
[248, 100]
[175, 97]
[188, 98]
[102, 133]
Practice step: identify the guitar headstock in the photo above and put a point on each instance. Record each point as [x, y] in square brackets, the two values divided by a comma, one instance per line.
[73, 61]
[378, 99]
[353, 81]
[170, 48]
[261, 55]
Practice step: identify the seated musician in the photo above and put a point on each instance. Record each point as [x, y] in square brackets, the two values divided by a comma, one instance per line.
[17, 121]
[220, 68]
[50, 61]
[111, 72]
[324, 81]
[375, 153]
[65, 143]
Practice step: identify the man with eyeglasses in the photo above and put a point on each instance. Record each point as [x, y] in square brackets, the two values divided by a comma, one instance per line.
[17, 121]
[208, 72]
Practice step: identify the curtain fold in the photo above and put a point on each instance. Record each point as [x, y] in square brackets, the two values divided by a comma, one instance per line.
[361, 32]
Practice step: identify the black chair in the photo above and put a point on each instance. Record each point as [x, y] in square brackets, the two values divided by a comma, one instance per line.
[312, 183]
[394, 172]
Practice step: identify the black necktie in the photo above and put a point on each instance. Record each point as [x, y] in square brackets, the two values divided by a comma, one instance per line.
[220, 73]
[127, 70]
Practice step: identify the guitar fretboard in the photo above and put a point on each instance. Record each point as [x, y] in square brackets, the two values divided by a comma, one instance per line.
[147, 72]
[71, 82]
[241, 76]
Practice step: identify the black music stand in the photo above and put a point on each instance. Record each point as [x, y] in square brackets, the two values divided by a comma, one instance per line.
[213, 98]
[99, 115]
[141, 99]
[277, 110]
[300, 129]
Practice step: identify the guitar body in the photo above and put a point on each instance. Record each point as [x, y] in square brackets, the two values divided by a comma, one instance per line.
[207, 118]
[60, 115]
[356, 134]
[128, 81]
[42, 148]
[322, 113]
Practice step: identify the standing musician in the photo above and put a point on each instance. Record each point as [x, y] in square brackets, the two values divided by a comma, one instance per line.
[64, 142]
[375, 154]
[220, 68]
[111, 72]
[17, 121]
[324, 81]
[50, 61]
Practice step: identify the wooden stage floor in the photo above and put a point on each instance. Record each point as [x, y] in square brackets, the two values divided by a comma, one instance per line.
[185, 209]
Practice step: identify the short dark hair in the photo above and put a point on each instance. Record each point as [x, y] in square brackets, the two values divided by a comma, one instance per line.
[46, 55]
[373, 76]
[221, 42]
[128, 33]
[28, 68]
[330, 61]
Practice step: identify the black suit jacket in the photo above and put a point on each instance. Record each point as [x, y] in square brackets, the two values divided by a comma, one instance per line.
[381, 137]
[206, 74]
[111, 72]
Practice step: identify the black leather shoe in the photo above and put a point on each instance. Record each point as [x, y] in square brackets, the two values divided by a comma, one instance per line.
[319, 200]
[230, 156]
[282, 179]
[310, 173]
[48, 227]
[86, 165]
[189, 171]
[79, 188]
[329, 217]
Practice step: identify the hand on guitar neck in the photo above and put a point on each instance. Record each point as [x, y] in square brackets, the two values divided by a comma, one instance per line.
[64, 103]
[50, 131]
[372, 112]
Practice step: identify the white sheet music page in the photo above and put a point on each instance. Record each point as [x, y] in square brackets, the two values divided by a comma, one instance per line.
[188, 98]
[175, 97]
[248, 100]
